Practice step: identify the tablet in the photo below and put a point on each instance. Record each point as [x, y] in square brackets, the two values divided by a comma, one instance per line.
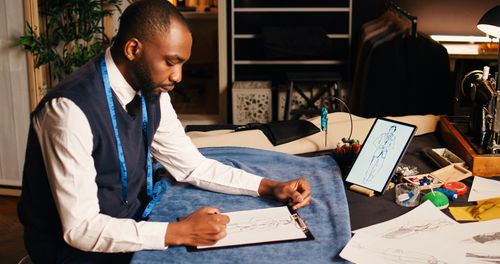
[380, 154]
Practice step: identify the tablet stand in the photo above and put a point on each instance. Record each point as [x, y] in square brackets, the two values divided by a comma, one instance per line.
[367, 191]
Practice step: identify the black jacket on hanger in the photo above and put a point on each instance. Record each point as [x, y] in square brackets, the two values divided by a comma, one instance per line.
[397, 74]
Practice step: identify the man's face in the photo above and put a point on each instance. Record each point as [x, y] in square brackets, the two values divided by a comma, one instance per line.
[160, 66]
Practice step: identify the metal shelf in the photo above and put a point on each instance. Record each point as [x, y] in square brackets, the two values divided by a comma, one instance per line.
[251, 36]
[288, 62]
[292, 9]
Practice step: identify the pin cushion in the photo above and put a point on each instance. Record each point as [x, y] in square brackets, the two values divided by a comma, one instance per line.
[439, 199]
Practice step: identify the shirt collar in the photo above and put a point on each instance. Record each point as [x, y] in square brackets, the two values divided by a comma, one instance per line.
[123, 91]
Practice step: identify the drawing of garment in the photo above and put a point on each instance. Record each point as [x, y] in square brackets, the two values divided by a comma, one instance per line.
[398, 255]
[258, 224]
[405, 231]
[383, 144]
[491, 237]
[483, 258]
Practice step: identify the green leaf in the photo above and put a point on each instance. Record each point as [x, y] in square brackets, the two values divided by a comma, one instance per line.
[68, 22]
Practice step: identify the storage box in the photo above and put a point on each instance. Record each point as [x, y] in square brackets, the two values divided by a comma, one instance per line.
[450, 173]
[252, 102]
[443, 157]
[486, 165]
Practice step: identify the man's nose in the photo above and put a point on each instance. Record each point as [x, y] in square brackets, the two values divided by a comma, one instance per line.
[176, 75]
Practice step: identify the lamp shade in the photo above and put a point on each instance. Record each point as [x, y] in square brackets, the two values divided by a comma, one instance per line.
[490, 22]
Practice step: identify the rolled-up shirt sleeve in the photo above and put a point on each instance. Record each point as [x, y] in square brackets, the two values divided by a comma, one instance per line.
[175, 151]
[66, 143]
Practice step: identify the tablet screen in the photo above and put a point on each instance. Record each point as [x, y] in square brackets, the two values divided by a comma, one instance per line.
[380, 154]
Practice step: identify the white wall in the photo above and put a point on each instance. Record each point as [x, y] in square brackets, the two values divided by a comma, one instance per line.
[14, 95]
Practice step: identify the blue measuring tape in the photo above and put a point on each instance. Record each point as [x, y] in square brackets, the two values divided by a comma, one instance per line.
[152, 192]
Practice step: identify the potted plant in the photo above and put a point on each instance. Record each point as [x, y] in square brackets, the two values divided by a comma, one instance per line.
[72, 33]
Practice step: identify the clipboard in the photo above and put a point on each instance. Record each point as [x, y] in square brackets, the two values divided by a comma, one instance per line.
[261, 226]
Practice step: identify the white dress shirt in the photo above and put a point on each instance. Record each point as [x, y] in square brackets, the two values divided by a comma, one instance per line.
[66, 142]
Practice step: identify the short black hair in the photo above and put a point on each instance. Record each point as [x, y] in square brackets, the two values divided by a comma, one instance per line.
[143, 18]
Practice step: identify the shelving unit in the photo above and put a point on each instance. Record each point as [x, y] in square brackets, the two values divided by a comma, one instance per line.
[249, 59]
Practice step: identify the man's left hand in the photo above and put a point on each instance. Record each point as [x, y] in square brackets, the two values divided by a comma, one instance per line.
[297, 193]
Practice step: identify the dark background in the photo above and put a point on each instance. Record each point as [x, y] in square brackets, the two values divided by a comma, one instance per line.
[435, 17]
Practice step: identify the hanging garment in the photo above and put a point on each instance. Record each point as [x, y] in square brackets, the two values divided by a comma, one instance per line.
[397, 74]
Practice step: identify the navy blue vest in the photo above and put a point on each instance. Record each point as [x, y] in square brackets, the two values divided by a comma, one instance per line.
[85, 88]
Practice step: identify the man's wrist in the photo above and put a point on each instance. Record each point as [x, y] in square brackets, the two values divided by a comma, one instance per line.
[172, 236]
[266, 187]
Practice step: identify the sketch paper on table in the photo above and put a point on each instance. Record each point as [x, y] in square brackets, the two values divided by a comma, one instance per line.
[259, 226]
[434, 238]
[399, 240]
[424, 219]
[368, 248]
[483, 188]
[477, 242]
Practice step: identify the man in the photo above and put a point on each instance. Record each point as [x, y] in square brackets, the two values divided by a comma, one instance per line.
[87, 155]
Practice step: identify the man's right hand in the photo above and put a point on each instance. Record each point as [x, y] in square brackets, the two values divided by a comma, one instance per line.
[203, 227]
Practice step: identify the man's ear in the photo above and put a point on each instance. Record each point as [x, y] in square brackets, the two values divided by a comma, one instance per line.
[132, 49]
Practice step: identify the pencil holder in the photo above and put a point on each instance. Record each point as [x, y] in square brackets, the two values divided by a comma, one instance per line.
[407, 194]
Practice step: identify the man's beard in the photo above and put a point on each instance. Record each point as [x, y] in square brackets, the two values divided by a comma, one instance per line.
[146, 85]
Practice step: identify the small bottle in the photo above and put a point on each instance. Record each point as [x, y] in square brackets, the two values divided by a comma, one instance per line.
[486, 73]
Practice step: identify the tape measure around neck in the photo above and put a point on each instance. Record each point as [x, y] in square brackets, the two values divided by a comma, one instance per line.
[152, 194]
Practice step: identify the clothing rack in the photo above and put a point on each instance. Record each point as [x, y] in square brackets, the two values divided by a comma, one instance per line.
[413, 19]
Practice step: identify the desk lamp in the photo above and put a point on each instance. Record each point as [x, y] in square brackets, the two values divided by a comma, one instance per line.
[490, 24]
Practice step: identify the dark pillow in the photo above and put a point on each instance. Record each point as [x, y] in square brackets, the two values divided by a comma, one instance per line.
[281, 132]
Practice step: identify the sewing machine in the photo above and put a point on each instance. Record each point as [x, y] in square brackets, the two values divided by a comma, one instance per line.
[484, 122]
[476, 138]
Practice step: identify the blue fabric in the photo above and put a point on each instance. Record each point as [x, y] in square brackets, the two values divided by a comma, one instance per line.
[327, 216]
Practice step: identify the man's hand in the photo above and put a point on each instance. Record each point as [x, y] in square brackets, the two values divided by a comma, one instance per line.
[297, 193]
[203, 227]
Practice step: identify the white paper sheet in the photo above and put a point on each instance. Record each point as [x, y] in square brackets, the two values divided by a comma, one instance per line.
[425, 235]
[424, 218]
[259, 226]
[477, 242]
[410, 238]
[483, 188]
[368, 248]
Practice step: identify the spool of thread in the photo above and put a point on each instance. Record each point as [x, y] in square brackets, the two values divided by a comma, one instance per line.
[452, 195]
[458, 187]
